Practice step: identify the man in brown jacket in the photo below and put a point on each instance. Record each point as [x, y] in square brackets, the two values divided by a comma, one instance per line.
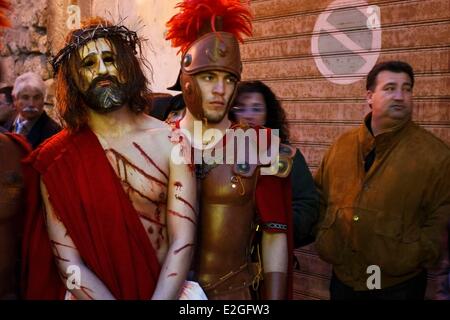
[385, 196]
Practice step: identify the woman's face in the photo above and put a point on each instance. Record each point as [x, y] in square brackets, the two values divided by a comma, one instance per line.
[250, 108]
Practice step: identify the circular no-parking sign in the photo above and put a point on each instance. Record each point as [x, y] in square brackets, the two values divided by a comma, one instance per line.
[346, 41]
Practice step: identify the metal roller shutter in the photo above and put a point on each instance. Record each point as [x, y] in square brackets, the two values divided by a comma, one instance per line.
[315, 55]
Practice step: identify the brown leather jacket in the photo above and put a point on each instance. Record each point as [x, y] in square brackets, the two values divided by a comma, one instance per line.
[11, 188]
[393, 215]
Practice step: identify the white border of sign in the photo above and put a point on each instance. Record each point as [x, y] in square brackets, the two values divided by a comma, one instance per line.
[371, 56]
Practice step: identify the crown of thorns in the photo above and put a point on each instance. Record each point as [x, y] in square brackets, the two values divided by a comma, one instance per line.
[82, 36]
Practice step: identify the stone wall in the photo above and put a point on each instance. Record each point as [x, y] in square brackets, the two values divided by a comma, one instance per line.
[26, 43]
[39, 28]
[37, 32]
[149, 17]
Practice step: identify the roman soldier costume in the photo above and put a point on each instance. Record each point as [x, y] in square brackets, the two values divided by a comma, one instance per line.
[234, 198]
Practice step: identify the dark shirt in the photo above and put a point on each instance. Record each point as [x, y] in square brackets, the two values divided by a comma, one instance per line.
[305, 202]
[43, 128]
[443, 270]
[370, 158]
[162, 106]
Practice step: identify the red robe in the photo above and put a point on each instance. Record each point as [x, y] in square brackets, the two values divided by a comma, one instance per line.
[88, 197]
[273, 197]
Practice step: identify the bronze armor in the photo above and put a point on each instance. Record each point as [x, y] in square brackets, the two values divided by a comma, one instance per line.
[226, 227]
[227, 224]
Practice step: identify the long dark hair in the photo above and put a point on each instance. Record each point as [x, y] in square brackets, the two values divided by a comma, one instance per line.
[275, 117]
[70, 104]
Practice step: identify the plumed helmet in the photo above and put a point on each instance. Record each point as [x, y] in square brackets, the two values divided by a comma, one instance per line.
[208, 33]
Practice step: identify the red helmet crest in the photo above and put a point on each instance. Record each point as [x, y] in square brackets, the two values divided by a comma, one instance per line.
[208, 34]
[197, 17]
[4, 6]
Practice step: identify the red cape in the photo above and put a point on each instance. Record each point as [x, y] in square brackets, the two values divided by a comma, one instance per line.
[88, 197]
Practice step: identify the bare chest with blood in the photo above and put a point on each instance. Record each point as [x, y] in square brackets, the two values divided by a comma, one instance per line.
[144, 178]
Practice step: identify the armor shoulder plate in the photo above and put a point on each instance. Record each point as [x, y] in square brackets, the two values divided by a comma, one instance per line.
[282, 165]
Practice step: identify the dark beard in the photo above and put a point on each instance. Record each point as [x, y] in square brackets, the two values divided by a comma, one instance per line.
[105, 99]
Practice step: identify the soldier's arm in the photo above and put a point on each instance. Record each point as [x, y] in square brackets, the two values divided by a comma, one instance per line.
[270, 199]
[275, 264]
[76, 276]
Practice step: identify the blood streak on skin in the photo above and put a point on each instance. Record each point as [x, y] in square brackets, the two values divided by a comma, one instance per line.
[161, 235]
[185, 202]
[62, 274]
[122, 160]
[173, 139]
[172, 275]
[55, 247]
[180, 215]
[130, 188]
[150, 229]
[143, 216]
[146, 156]
[85, 290]
[178, 185]
[183, 247]
[82, 288]
[128, 163]
[158, 213]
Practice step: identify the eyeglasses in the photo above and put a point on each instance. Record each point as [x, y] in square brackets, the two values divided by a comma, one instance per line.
[4, 104]
[254, 109]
